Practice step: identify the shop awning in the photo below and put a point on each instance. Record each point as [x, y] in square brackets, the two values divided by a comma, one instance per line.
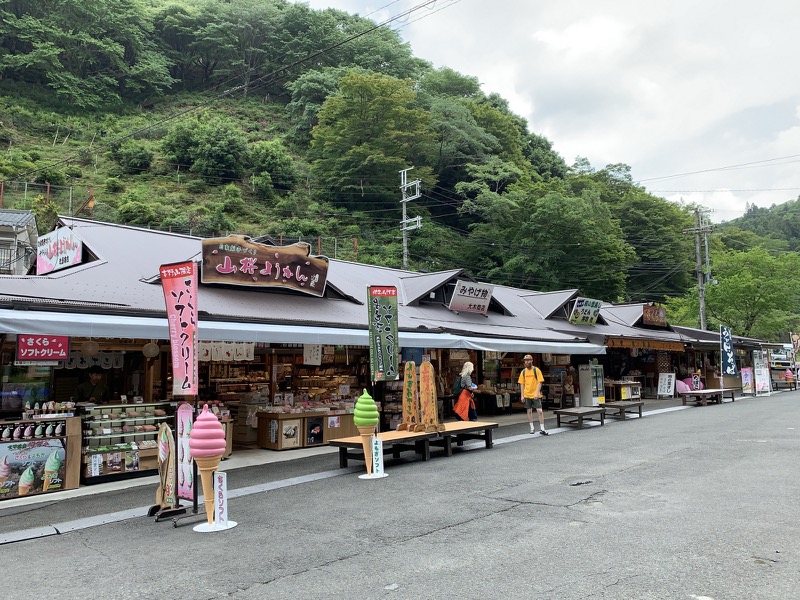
[127, 327]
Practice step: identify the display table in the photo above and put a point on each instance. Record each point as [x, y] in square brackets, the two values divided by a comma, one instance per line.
[28, 450]
[285, 431]
[623, 390]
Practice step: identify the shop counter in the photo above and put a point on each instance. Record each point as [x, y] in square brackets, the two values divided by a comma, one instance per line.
[39, 455]
[284, 431]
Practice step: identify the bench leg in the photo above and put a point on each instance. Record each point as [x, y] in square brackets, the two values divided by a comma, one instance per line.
[580, 421]
[489, 442]
[342, 458]
[448, 445]
[424, 448]
[558, 420]
[602, 418]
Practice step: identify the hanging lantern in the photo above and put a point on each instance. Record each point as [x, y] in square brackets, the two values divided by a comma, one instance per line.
[151, 350]
[90, 348]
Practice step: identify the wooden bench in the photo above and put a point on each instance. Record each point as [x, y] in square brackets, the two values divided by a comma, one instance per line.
[621, 408]
[464, 430]
[393, 441]
[702, 397]
[581, 414]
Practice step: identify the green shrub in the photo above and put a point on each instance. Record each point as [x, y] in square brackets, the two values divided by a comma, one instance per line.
[50, 175]
[132, 157]
[196, 186]
[114, 185]
[73, 171]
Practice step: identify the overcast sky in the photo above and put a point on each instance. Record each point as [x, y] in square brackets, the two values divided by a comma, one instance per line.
[701, 98]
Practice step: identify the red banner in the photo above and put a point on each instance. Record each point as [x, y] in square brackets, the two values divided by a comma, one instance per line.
[42, 347]
[179, 281]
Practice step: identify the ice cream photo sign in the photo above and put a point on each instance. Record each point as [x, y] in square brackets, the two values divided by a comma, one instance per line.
[207, 445]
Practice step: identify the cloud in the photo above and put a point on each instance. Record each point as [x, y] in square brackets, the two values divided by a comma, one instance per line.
[667, 88]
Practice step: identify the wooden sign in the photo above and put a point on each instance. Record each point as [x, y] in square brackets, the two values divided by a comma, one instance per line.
[237, 260]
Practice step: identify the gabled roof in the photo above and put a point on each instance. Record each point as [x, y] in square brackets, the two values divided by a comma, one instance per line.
[414, 287]
[626, 314]
[547, 303]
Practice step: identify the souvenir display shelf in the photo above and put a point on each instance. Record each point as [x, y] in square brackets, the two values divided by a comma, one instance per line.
[121, 439]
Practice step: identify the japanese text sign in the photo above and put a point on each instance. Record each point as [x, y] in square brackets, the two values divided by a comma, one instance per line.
[179, 281]
[471, 297]
[382, 307]
[726, 351]
[654, 315]
[42, 347]
[58, 249]
[585, 311]
[236, 260]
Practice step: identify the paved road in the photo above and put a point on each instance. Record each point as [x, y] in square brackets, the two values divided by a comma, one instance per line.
[699, 503]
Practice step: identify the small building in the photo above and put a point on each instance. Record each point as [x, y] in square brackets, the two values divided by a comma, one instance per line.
[18, 238]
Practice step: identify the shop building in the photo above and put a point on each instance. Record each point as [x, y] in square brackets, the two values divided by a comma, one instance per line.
[282, 365]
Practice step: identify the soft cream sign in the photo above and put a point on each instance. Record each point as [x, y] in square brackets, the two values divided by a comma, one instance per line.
[57, 250]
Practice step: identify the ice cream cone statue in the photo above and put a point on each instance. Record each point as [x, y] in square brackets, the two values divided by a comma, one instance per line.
[365, 418]
[5, 470]
[25, 482]
[51, 468]
[207, 445]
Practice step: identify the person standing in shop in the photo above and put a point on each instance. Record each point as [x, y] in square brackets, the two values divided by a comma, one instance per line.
[464, 408]
[95, 390]
[530, 391]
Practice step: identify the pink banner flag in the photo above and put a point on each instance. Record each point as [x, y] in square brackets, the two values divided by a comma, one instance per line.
[179, 281]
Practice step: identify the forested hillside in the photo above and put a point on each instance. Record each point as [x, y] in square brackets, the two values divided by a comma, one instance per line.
[267, 118]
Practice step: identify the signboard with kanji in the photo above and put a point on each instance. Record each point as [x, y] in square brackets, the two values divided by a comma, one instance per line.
[654, 315]
[471, 297]
[585, 311]
[382, 307]
[237, 260]
[36, 348]
[179, 282]
[57, 250]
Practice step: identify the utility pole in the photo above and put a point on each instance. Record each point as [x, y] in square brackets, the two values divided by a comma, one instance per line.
[408, 224]
[701, 226]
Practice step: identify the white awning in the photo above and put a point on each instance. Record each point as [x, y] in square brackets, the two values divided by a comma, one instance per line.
[119, 326]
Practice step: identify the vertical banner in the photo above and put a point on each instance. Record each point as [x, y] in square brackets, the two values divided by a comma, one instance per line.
[726, 351]
[179, 281]
[185, 418]
[382, 307]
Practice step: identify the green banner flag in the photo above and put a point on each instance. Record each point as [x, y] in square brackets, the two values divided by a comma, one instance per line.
[382, 307]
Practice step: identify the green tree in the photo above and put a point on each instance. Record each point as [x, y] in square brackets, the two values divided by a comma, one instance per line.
[212, 146]
[753, 290]
[91, 54]
[366, 134]
[272, 159]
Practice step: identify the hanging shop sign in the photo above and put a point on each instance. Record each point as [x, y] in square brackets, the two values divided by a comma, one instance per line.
[471, 297]
[654, 315]
[585, 311]
[726, 351]
[57, 250]
[41, 349]
[237, 260]
[382, 307]
[179, 281]
[644, 344]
